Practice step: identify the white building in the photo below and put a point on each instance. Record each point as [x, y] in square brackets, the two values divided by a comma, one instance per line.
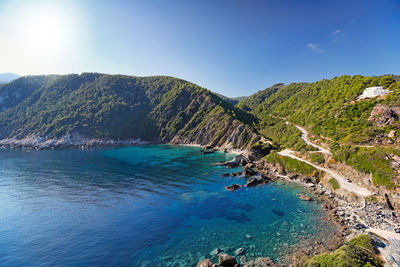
[373, 92]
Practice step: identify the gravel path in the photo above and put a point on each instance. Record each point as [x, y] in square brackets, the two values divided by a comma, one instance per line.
[341, 179]
[308, 142]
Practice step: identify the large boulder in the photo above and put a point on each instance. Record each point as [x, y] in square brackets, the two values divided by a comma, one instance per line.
[382, 115]
[205, 263]
[226, 260]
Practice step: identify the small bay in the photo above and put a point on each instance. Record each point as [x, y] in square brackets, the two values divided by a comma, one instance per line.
[155, 205]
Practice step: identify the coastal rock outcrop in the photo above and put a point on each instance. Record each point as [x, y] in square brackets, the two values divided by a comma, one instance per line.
[382, 115]
[257, 180]
[233, 187]
[248, 172]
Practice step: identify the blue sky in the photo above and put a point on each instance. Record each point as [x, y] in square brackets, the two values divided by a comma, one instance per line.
[232, 47]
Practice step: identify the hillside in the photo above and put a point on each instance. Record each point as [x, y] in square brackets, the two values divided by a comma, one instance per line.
[119, 107]
[363, 134]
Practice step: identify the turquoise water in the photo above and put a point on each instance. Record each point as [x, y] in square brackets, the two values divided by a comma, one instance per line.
[141, 206]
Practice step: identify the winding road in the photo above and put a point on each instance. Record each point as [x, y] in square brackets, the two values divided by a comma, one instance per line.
[340, 178]
[308, 142]
[390, 252]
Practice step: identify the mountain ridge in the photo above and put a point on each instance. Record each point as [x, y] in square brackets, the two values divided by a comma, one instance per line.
[117, 107]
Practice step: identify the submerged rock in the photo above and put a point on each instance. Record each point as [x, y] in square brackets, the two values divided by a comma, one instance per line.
[260, 262]
[226, 260]
[304, 197]
[232, 187]
[225, 175]
[239, 251]
[215, 252]
[248, 236]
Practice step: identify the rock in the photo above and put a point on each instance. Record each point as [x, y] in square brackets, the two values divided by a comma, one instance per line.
[225, 175]
[248, 236]
[232, 187]
[215, 252]
[310, 184]
[226, 260]
[236, 174]
[389, 204]
[304, 197]
[205, 263]
[392, 133]
[239, 251]
[260, 262]
[257, 180]
[382, 115]
[250, 165]
[360, 226]
[248, 172]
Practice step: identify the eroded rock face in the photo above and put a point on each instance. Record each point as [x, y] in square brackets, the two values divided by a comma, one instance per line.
[382, 115]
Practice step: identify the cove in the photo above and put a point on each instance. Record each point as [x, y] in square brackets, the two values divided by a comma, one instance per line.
[155, 205]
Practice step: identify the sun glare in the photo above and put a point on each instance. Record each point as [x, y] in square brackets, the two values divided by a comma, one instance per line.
[46, 32]
[43, 33]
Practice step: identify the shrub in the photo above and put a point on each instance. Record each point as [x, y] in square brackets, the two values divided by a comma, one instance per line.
[360, 251]
[317, 158]
[335, 185]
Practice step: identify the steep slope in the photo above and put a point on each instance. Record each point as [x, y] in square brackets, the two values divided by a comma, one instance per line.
[120, 107]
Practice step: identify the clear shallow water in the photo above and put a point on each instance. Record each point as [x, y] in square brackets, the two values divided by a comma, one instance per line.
[141, 206]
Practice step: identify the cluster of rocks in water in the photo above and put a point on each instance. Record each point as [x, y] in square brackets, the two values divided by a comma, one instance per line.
[255, 178]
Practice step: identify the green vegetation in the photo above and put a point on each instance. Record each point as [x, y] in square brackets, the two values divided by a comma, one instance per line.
[317, 158]
[368, 160]
[334, 183]
[118, 107]
[165, 108]
[282, 134]
[359, 251]
[262, 148]
[326, 107]
[330, 108]
[291, 165]
[371, 199]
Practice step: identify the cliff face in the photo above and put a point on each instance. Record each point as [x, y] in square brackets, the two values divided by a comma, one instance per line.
[95, 109]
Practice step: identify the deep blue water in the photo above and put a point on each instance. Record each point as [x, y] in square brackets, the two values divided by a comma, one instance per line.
[141, 206]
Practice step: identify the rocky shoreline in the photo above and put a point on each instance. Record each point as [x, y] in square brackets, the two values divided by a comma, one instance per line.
[353, 214]
[73, 140]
